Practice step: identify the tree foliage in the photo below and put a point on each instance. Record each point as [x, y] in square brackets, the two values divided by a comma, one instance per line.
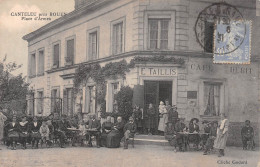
[13, 89]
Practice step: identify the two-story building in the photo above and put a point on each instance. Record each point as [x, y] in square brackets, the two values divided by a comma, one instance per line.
[105, 31]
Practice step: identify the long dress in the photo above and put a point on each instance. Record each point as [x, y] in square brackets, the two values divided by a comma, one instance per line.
[163, 118]
[105, 126]
[3, 118]
[115, 136]
[151, 121]
[220, 141]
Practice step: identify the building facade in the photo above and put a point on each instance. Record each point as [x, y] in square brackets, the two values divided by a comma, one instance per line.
[102, 31]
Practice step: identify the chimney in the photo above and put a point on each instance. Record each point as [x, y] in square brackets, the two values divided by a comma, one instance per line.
[81, 3]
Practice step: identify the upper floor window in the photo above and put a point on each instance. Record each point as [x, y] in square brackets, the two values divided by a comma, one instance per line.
[117, 38]
[56, 55]
[70, 50]
[208, 37]
[41, 62]
[212, 98]
[33, 65]
[158, 33]
[93, 45]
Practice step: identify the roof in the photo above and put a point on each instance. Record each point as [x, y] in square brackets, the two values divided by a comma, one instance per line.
[88, 8]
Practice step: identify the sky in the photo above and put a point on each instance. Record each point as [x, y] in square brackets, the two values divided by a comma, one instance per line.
[13, 28]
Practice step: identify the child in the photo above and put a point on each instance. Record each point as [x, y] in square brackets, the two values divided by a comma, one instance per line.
[44, 131]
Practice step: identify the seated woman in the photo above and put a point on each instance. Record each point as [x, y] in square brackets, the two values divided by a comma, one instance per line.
[24, 131]
[117, 133]
[34, 130]
[106, 129]
[194, 128]
[13, 132]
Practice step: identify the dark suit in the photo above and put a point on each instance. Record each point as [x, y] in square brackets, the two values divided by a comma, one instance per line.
[195, 138]
[94, 124]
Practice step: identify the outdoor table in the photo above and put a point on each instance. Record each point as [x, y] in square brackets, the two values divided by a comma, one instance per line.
[185, 136]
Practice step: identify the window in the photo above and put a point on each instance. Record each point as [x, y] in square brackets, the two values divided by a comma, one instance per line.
[33, 65]
[40, 102]
[158, 33]
[117, 38]
[30, 103]
[115, 89]
[55, 101]
[212, 98]
[70, 52]
[93, 46]
[208, 37]
[41, 62]
[92, 99]
[68, 102]
[56, 55]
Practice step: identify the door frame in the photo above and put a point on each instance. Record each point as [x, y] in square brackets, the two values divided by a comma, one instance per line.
[174, 84]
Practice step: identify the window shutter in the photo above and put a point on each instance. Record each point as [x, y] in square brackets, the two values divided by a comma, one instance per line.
[138, 95]
[65, 102]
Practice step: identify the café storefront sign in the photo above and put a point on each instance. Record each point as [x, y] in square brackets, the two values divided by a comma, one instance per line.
[158, 71]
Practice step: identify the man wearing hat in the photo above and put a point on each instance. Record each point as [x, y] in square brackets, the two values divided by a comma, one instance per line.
[173, 115]
[180, 127]
[247, 134]
[212, 136]
[170, 135]
[205, 135]
[194, 128]
[129, 131]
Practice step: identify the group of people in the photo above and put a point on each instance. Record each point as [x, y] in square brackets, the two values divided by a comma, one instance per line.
[152, 121]
[213, 135]
[55, 128]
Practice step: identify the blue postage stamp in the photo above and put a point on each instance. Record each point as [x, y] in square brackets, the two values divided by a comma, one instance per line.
[232, 42]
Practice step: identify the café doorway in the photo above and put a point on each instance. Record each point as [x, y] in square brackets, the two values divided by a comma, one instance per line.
[156, 91]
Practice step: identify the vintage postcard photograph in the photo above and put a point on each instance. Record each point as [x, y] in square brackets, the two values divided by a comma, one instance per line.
[129, 83]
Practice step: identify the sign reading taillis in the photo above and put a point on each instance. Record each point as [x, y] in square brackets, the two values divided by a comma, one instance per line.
[157, 71]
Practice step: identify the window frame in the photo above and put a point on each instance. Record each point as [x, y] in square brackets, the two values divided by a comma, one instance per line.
[160, 14]
[40, 73]
[73, 37]
[91, 31]
[38, 99]
[53, 65]
[30, 65]
[112, 24]
[223, 95]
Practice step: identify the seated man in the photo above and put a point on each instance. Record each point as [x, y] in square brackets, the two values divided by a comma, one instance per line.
[180, 127]
[59, 131]
[194, 128]
[95, 126]
[170, 135]
[247, 134]
[212, 136]
[129, 131]
[204, 137]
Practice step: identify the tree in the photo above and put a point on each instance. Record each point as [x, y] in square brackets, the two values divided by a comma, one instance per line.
[13, 89]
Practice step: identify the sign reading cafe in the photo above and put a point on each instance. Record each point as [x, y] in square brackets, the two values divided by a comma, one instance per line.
[158, 71]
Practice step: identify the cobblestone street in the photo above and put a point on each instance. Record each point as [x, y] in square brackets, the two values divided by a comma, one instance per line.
[141, 155]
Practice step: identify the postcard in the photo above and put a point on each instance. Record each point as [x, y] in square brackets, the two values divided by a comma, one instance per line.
[129, 83]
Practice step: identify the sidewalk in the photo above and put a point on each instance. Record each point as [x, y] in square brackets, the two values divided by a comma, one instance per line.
[140, 156]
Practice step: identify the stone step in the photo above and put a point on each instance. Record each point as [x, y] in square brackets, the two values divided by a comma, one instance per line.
[151, 140]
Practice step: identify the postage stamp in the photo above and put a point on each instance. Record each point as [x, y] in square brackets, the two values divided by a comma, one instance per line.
[232, 42]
